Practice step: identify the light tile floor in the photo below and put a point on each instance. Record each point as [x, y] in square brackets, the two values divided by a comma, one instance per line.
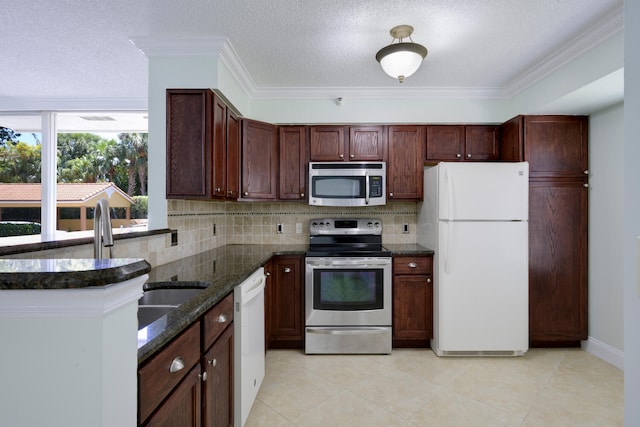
[547, 387]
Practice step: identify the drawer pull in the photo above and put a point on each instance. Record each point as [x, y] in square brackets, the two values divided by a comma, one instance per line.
[222, 318]
[203, 376]
[412, 265]
[429, 280]
[212, 362]
[287, 270]
[176, 365]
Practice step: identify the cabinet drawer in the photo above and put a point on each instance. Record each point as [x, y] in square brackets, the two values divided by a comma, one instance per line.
[412, 265]
[156, 379]
[217, 319]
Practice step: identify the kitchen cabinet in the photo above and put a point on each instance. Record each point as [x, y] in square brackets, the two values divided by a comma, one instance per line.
[343, 143]
[190, 381]
[158, 378]
[412, 300]
[259, 160]
[293, 158]
[405, 165]
[202, 137]
[556, 148]
[458, 143]
[287, 302]
[217, 363]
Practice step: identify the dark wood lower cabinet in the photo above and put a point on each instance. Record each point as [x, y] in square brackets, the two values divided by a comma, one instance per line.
[182, 407]
[217, 398]
[412, 301]
[557, 262]
[286, 317]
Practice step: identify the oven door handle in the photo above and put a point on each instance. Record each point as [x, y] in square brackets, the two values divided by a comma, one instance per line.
[366, 190]
[357, 263]
[362, 330]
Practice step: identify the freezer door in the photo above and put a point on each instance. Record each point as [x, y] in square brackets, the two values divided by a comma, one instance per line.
[481, 289]
[483, 191]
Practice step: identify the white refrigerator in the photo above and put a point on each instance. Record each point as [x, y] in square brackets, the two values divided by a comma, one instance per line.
[475, 218]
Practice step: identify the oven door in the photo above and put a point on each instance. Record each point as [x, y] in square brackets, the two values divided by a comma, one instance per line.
[348, 291]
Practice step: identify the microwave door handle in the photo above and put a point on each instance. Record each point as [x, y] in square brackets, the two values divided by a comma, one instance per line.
[366, 189]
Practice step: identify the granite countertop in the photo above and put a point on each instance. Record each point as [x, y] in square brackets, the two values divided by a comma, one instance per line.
[21, 274]
[219, 271]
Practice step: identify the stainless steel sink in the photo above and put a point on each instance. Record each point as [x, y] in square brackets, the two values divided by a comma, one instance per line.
[160, 298]
[149, 314]
[173, 297]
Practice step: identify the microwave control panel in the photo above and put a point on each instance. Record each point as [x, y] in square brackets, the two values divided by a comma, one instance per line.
[375, 186]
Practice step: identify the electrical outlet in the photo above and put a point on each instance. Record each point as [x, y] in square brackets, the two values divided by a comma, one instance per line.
[279, 228]
[298, 228]
[214, 228]
[405, 228]
[174, 237]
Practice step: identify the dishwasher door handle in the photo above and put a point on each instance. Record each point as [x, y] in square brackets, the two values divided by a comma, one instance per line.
[251, 292]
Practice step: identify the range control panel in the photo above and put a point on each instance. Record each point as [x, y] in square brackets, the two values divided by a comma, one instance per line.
[335, 226]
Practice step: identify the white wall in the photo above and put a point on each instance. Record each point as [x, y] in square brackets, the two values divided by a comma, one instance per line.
[606, 204]
[631, 215]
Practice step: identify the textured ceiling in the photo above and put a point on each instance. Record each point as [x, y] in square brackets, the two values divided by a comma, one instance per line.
[80, 49]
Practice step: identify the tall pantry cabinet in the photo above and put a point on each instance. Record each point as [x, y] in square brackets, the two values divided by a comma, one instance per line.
[556, 148]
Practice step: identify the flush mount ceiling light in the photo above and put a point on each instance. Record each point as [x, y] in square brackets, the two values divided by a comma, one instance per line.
[402, 59]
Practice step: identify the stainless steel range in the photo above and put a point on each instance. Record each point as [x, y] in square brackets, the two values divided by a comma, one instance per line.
[347, 288]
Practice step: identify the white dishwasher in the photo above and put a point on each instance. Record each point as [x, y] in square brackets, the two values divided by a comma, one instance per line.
[248, 347]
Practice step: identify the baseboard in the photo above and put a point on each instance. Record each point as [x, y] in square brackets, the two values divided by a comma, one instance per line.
[605, 352]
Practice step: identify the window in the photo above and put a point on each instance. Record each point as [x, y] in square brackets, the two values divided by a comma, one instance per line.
[93, 148]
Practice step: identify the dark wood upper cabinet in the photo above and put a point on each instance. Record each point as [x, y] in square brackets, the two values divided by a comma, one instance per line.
[219, 148]
[326, 143]
[233, 155]
[405, 165]
[556, 145]
[366, 143]
[189, 144]
[293, 158]
[259, 160]
[457, 143]
[511, 140]
[343, 143]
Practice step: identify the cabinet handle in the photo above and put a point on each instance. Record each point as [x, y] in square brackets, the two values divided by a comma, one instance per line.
[267, 274]
[301, 194]
[213, 362]
[222, 318]
[412, 265]
[586, 172]
[352, 156]
[246, 193]
[428, 279]
[287, 270]
[341, 156]
[586, 184]
[203, 376]
[468, 155]
[218, 189]
[228, 191]
[390, 194]
[176, 365]
[458, 155]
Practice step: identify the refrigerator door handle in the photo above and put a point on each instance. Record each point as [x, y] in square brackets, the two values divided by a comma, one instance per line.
[448, 241]
[449, 184]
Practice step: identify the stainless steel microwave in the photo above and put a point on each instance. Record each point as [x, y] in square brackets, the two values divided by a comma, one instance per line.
[347, 183]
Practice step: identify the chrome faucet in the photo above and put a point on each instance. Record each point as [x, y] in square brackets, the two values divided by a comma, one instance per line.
[102, 235]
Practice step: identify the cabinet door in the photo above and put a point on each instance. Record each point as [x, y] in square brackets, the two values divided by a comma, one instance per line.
[481, 143]
[182, 407]
[445, 142]
[405, 167]
[511, 140]
[366, 143]
[326, 144]
[287, 316]
[233, 155]
[293, 159]
[556, 145]
[219, 147]
[189, 150]
[218, 388]
[259, 160]
[412, 309]
[557, 261]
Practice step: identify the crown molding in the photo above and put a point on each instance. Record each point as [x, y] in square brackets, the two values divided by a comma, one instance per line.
[604, 29]
[377, 92]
